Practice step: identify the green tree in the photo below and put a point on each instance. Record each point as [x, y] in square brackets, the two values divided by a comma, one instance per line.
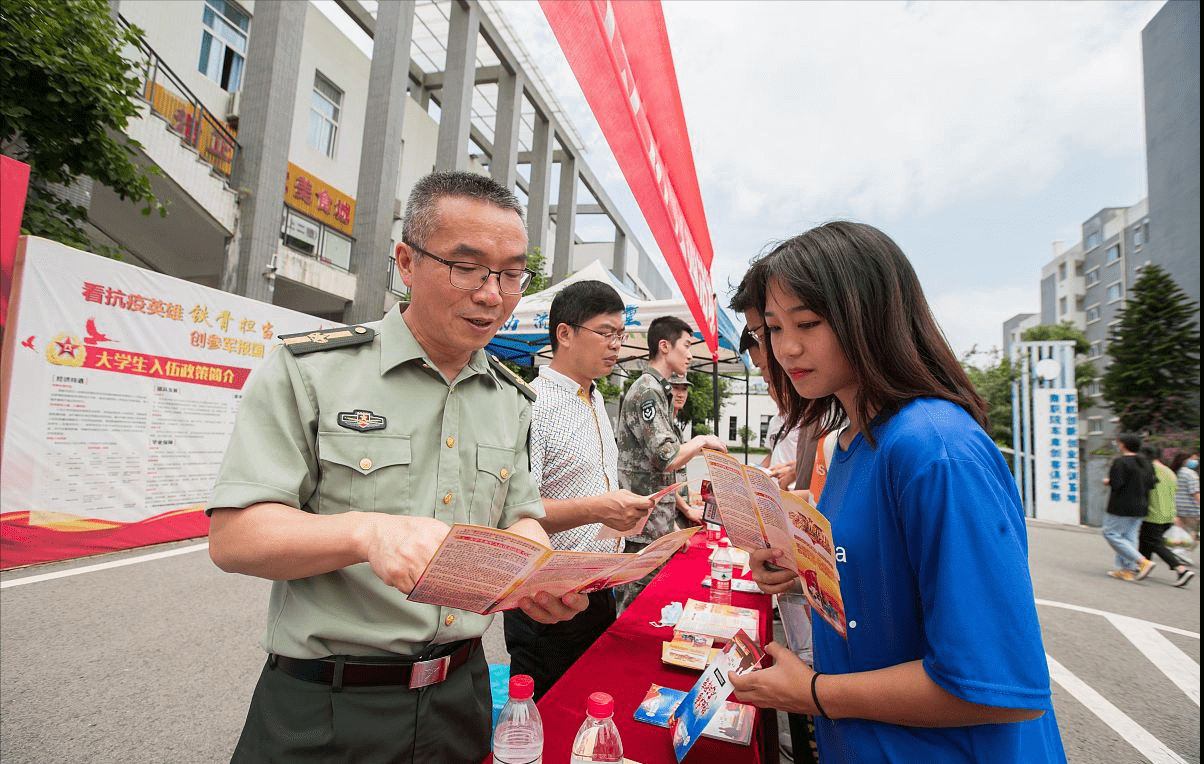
[1084, 371]
[746, 435]
[994, 383]
[1153, 382]
[66, 95]
[537, 261]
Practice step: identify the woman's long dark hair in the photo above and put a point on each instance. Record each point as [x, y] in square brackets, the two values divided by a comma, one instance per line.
[862, 284]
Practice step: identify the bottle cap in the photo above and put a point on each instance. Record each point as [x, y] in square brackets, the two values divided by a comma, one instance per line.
[522, 687]
[600, 705]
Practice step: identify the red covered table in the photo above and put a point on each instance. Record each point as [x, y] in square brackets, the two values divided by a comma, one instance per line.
[627, 658]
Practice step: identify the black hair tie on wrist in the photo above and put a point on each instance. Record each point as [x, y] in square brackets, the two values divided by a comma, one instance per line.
[815, 696]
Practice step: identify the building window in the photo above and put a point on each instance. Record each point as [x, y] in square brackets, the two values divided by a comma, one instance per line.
[1061, 271]
[1138, 236]
[1093, 313]
[1061, 306]
[764, 429]
[1080, 303]
[1095, 425]
[1113, 254]
[732, 425]
[1078, 268]
[1093, 389]
[1114, 292]
[223, 43]
[310, 237]
[1093, 241]
[324, 108]
[1093, 277]
[1097, 349]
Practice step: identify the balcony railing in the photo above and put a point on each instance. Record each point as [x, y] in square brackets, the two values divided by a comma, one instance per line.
[171, 99]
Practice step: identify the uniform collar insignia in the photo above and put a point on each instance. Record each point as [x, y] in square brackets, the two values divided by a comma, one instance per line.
[361, 420]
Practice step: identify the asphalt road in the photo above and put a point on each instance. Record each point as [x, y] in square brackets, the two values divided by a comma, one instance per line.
[155, 661]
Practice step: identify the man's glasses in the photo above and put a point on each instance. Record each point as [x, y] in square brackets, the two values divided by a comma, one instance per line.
[472, 276]
[612, 338]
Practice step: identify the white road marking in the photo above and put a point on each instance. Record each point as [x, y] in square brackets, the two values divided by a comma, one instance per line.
[1106, 614]
[1133, 733]
[102, 566]
[1170, 660]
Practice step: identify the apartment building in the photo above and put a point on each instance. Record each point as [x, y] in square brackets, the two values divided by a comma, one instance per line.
[289, 134]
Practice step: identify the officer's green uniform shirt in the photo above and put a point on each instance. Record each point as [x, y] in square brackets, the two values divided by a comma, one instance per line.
[375, 427]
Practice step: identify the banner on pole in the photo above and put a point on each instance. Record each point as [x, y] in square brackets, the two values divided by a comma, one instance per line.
[120, 391]
[638, 107]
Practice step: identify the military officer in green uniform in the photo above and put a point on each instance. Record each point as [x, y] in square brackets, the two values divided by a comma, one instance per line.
[650, 446]
[354, 451]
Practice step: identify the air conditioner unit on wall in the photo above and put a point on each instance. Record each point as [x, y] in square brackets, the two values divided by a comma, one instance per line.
[233, 104]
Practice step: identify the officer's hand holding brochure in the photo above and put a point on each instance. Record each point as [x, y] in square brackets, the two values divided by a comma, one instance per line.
[757, 514]
[693, 714]
[488, 570]
[606, 532]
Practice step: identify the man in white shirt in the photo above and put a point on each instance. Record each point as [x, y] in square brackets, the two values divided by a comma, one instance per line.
[574, 460]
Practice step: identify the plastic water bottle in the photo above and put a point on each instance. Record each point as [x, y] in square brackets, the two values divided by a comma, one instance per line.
[713, 535]
[598, 738]
[518, 737]
[721, 575]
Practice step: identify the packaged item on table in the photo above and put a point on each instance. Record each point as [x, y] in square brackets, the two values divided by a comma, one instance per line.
[733, 722]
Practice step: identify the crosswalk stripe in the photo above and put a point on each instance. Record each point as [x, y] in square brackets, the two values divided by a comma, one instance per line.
[1170, 660]
[1133, 733]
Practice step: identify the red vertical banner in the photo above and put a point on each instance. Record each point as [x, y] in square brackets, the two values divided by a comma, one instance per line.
[14, 182]
[619, 52]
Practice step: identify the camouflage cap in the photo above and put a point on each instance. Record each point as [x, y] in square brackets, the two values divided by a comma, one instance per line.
[679, 379]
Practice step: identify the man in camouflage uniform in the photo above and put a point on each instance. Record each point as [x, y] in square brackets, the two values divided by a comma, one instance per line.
[650, 448]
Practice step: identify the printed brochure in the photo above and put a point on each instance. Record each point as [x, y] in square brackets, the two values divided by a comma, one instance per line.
[757, 514]
[696, 710]
[733, 722]
[488, 570]
[719, 622]
[606, 532]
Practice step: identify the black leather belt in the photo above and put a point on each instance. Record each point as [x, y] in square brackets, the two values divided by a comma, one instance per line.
[351, 671]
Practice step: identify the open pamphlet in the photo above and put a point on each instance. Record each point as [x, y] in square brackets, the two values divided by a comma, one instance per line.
[488, 570]
[606, 532]
[757, 514]
[701, 704]
[733, 721]
[714, 620]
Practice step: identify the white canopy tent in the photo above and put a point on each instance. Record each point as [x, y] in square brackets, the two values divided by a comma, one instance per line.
[523, 339]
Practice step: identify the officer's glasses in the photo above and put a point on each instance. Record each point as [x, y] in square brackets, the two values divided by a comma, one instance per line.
[612, 338]
[472, 276]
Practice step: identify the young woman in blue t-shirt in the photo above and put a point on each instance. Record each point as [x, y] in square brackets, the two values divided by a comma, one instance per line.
[943, 661]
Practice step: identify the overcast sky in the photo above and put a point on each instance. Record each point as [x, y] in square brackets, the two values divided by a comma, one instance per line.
[973, 133]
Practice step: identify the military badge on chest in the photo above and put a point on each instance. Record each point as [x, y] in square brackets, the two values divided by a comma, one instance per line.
[647, 410]
[361, 420]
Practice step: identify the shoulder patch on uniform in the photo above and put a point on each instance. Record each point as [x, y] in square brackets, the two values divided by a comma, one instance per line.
[326, 339]
[647, 410]
[512, 378]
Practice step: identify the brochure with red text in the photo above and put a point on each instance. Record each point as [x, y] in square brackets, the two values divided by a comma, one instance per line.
[733, 722]
[488, 570]
[695, 711]
[757, 514]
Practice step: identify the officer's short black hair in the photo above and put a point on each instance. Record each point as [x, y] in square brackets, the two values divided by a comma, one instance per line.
[665, 328]
[579, 302]
[422, 209]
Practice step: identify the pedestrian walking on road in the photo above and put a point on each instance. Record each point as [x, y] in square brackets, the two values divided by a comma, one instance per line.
[1161, 516]
[1129, 481]
[1187, 492]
